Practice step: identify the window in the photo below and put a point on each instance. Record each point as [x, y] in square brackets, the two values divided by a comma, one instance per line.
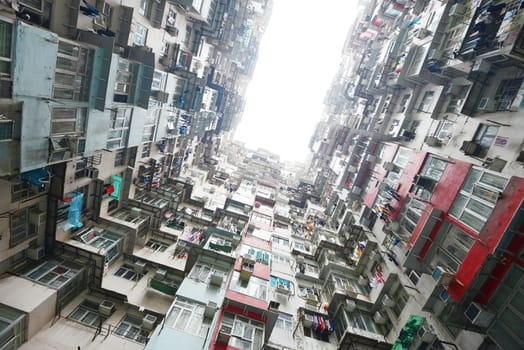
[255, 287]
[364, 321]
[146, 149]
[73, 72]
[143, 9]
[484, 137]
[285, 322]
[119, 122]
[453, 248]
[20, 230]
[280, 258]
[158, 79]
[433, 167]
[506, 93]
[68, 120]
[171, 18]
[302, 247]
[280, 241]
[280, 282]
[6, 129]
[444, 130]
[259, 255]
[124, 79]
[425, 103]
[130, 327]
[410, 214]
[188, 35]
[127, 272]
[401, 298]
[140, 35]
[80, 168]
[6, 37]
[246, 334]
[120, 157]
[477, 198]
[403, 103]
[156, 245]
[87, 314]
[402, 157]
[188, 317]
[12, 328]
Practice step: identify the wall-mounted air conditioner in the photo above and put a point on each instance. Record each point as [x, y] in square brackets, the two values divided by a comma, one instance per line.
[362, 280]
[350, 305]
[210, 309]
[379, 318]
[457, 10]
[387, 301]
[388, 166]
[35, 253]
[224, 334]
[106, 307]
[148, 322]
[282, 288]
[308, 320]
[433, 141]
[216, 279]
[139, 266]
[479, 315]
[442, 276]
[160, 274]
[312, 299]
[425, 333]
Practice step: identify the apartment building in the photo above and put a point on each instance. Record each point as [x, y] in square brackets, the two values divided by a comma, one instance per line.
[131, 219]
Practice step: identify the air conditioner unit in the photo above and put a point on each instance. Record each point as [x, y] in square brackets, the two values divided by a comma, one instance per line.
[106, 308]
[457, 10]
[350, 305]
[308, 320]
[92, 173]
[35, 253]
[442, 276]
[470, 147]
[426, 334]
[77, 144]
[216, 279]
[362, 280]
[37, 217]
[224, 334]
[481, 65]
[139, 266]
[148, 322]
[388, 166]
[479, 315]
[371, 158]
[312, 299]
[423, 32]
[379, 318]
[282, 288]
[387, 301]
[210, 309]
[160, 274]
[135, 212]
[352, 169]
[433, 141]
[37, 5]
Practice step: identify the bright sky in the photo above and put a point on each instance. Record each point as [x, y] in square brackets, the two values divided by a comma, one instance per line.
[299, 55]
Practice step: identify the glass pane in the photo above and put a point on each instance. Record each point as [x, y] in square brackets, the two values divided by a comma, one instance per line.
[458, 206]
[493, 180]
[473, 177]
[182, 320]
[68, 49]
[472, 221]
[66, 64]
[479, 208]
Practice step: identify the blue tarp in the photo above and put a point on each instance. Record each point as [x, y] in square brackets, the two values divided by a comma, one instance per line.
[75, 210]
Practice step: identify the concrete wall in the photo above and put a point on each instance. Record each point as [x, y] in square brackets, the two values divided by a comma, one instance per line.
[34, 62]
[38, 301]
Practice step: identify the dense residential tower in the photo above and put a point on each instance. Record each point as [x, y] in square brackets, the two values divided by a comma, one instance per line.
[130, 218]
